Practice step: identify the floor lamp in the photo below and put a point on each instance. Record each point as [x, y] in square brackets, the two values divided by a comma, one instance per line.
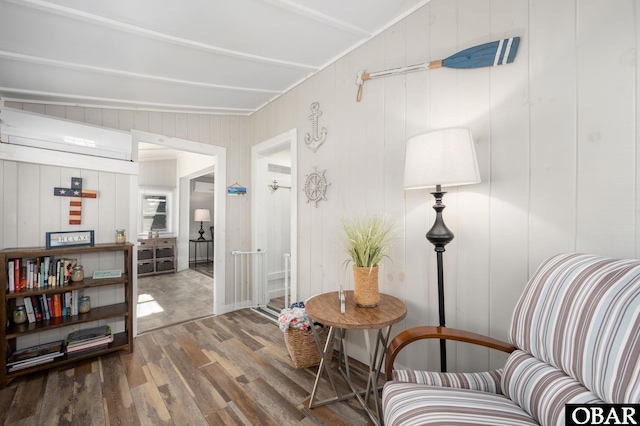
[436, 159]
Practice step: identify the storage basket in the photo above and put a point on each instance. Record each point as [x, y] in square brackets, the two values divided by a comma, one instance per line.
[145, 254]
[164, 265]
[303, 348]
[145, 267]
[164, 252]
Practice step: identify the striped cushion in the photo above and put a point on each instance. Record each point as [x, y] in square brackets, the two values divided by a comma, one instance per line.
[414, 404]
[542, 390]
[580, 313]
[488, 381]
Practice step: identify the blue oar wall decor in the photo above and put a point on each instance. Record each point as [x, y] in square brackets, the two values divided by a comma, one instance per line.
[485, 55]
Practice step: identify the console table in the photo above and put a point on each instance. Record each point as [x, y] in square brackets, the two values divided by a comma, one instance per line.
[325, 309]
[195, 243]
[157, 255]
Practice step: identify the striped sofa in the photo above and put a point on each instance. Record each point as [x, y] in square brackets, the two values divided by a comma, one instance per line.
[574, 338]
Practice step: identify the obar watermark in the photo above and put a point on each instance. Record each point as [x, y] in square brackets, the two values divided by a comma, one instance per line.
[602, 414]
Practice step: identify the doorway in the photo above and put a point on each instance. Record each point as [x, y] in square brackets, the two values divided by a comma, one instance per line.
[202, 159]
[274, 218]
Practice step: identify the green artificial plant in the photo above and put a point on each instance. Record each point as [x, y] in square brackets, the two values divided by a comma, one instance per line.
[366, 238]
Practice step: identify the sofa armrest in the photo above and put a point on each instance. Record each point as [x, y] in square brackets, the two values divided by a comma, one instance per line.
[434, 332]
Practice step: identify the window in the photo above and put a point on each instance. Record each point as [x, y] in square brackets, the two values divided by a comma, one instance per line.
[155, 211]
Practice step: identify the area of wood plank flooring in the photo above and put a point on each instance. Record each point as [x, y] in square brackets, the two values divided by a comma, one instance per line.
[232, 369]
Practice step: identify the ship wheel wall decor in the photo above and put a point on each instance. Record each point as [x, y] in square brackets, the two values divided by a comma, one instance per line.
[315, 186]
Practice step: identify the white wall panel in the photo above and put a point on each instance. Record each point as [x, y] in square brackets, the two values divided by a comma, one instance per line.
[553, 140]
[337, 148]
[509, 167]
[606, 127]
[416, 219]
[329, 156]
[472, 307]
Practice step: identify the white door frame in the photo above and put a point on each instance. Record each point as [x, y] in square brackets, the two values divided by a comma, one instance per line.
[219, 164]
[260, 182]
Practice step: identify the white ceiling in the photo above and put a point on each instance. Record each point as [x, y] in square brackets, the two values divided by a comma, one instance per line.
[205, 56]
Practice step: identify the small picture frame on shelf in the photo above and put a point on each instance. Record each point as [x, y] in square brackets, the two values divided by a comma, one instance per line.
[111, 273]
[69, 239]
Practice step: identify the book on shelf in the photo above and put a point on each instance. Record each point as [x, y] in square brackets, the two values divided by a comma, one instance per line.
[82, 340]
[45, 307]
[29, 269]
[44, 271]
[16, 274]
[52, 313]
[57, 305]
[71, 355]
[66, 306]
[81, 347]
[32, 363]
[23, 277]
[34, 354]
[36, 308]
[31, 316]
[38, 273]
[11, 276]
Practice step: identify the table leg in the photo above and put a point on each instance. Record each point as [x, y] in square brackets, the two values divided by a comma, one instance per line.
[376, 358]
[324, 366]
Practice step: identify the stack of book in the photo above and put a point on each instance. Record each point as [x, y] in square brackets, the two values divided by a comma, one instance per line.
[35, 355]
[94, 339]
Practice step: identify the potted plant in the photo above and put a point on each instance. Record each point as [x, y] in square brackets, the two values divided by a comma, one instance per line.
[366, 239]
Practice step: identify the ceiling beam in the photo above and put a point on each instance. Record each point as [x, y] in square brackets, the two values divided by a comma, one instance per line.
[144, 32]
[111, 71]
[10, 94]
[319, 17]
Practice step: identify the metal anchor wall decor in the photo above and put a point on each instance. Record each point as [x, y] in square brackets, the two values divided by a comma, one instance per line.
[313, 139]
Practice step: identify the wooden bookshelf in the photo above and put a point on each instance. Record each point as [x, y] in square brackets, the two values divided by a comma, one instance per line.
[10, 332]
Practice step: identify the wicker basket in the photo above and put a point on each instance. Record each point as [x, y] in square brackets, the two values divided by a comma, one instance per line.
[303, 348]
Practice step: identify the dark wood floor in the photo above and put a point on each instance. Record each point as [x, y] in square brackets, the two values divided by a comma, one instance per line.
[232, 369]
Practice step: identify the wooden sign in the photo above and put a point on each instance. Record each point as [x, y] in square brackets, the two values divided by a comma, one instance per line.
[77, 193]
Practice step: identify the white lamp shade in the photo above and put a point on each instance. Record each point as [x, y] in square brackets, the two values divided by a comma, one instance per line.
[443, 157]
[202, 215]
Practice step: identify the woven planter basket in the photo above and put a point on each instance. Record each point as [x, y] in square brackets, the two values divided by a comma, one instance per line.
[303, 348]
[365, 286]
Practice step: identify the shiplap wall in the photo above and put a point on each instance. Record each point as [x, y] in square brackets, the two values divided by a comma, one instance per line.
[555, 136]
[157, 173]
[29, 210]
[231, 132]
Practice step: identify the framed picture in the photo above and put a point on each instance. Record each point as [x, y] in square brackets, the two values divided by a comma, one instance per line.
[70, 239]
[236, 190]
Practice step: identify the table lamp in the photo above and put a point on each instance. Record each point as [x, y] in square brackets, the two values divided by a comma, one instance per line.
[435, 159]
[201, 215]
